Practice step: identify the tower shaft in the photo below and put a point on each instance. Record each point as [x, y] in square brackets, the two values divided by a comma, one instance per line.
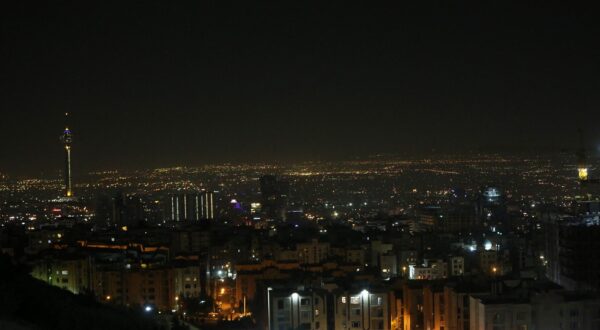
[67, 138]
[68, 180]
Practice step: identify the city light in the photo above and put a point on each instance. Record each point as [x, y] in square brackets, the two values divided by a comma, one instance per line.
[487, 246]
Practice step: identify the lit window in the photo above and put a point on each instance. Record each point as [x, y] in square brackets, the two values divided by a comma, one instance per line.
[343, 300]
[375, 301]
[355, 300]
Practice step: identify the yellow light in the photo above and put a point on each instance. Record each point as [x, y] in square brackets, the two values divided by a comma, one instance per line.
[494, 269]
[69, 193]
[583, 173]
[107, 297]
[222, 290]
[124, 228]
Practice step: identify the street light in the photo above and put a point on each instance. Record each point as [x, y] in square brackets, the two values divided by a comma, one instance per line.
[365, 301]
[294, 297]
[269, 289]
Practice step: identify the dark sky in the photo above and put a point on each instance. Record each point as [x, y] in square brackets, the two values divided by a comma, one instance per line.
[153, 83]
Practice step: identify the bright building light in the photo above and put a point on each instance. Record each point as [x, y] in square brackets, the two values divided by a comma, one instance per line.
[487, 246]
[148, 309]
[294, 296]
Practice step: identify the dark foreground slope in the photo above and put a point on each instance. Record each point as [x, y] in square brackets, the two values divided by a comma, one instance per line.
[26, 303]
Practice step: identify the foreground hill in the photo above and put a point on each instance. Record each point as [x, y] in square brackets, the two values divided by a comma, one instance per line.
[26, 303]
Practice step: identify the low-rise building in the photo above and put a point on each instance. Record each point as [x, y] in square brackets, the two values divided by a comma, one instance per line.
[364, 309]
[67, 271]
[297, 309]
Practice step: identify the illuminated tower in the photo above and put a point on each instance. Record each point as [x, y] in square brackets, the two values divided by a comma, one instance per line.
[66, 138]
[582, 166]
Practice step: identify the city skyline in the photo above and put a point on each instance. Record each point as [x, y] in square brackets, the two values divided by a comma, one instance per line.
[258, 166]
[163, 86]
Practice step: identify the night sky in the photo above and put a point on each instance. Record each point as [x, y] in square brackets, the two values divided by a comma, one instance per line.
[153, 83]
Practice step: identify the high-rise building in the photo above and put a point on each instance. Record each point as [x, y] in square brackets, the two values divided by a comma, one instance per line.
[127, 210]
[191, 206]
[119, 210]
[589, 186]
[274, 196]
[183, 207]
[571, 242]
[578, 256]
[207, 205]
[67, 139]
[173, 208]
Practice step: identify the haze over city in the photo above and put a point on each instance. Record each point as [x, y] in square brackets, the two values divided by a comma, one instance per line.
[156, 84]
